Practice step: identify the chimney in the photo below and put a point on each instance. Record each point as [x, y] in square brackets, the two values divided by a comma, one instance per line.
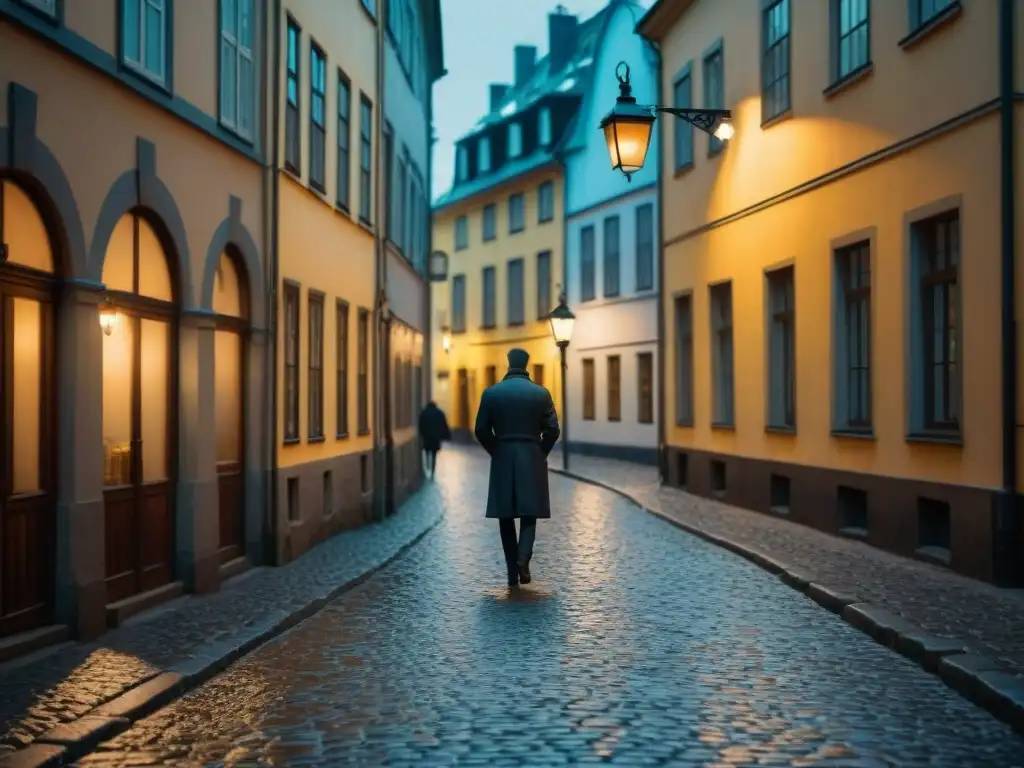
[498, 91]
[526, 60]
[562, 29]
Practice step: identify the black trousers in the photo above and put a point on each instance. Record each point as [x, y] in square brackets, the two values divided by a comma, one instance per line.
[517, 552]
[431, 460]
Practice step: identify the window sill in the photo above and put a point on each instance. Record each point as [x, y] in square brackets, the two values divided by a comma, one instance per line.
[317, 439]
[317, 187]
[247, 140]
[645, 421]
[367, 225]
[292, 171]
[685, 424]
[459, 248]
[343, 209]
[341, 436]
[780, 510]
[615, 421]
[775, 430]
[291, 441]
[146, 78]
[517, 231]
[50, 18]
[490, 327]
[517, 324]
[853, 532]
[936, 438]
[457, 332]
[713, 152]
[718, 494]
[848, 81]
[363, 432]
[854, 434]
[724, 426]
[611, 295]
[935, 555]
[589, 418]
[932, 25]
[490, 239]
[683, 169]
[768, 122]
[546, 221]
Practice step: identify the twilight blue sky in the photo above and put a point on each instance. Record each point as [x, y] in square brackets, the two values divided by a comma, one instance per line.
[479, 36]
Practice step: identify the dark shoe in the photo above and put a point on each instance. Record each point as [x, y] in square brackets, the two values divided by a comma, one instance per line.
[513, 577]
[524, 573]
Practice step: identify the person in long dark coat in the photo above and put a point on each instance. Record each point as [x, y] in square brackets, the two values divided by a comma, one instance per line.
[433, 431]
[517, 425]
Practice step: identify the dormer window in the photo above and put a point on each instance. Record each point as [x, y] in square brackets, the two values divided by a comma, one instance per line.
[544, 130]
[462, 164]
[483, 155]
[515, 139]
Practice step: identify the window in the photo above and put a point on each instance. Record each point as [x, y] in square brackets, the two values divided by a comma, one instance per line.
[544, 303]
[545, 202]
[588, 389]
[516, 308]
[458, 303]
[483, 155]
[722, 354]
[490, 376]
[684, 361]
[781, 350]
[146, 38]
[544, 126]
[291, 109]
[316, 366]
[462, 164]
[394, 15]
[341, 367]
[461, 233]
[46, 7]
[587, 289]
[317, 116]
[714, 90]
[645, 387]
[645, 247]
[388, 139]
[682, 96]
[490, 222]
[923, 11]
[851, 37]
[362, 383]
[516, 213]
[371, 7]
[614, 388]
[937, 255]
[237, 73]
[775, 60]
[365, 156]
[344, 111]
[515, 139]
[852, 340]
[611, 256]
[291, 362]
[398, 195]
[489, 289]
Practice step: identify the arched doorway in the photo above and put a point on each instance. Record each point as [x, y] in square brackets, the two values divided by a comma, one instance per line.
[139, 324]
[230, 302]
[27, 455]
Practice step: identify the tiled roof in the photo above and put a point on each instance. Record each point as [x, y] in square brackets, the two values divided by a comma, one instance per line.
[506, 172]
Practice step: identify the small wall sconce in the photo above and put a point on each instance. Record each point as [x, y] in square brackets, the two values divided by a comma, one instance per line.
[446, 340]
[108, 320]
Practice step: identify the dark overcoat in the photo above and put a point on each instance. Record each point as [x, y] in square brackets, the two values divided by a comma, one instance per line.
[433, 428]
[517, 425]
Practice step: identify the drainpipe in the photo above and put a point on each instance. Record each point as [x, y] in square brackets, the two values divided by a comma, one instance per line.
[562, 160]
[660, 254]
[380, 212]
[1006, 559]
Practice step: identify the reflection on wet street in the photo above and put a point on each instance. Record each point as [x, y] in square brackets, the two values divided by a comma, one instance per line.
[637, 644]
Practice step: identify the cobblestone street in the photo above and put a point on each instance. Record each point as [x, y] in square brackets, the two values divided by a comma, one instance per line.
[637, 644]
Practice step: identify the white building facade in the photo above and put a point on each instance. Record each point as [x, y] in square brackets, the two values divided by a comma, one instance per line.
[612, 254]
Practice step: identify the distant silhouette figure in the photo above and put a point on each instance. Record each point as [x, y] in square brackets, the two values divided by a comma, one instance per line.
[433, 431]
[517, 425]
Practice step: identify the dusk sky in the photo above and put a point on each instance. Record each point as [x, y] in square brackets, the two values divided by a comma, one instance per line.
[479, 36]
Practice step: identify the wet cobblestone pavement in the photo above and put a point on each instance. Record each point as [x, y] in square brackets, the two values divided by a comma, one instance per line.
[637, 644]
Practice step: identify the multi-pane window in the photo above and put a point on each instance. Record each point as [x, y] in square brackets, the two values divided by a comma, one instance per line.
[48, 7]
[365, 156]
[714, 90]
[292, 148]
[588, 390]
[145, 38]
[850, 37]
[483, 155]
[341, 367]
[237, 72]
[315, 361]
[458, 303]
[682, 98]
[587, 280]
[362, 381]
[516, 212]
[684, 360]
[544, 126]
[614, 388]
[545, 202]
[291, 361]
[781, 349]
[775, 59]
[461, 233]
[490, 222]
[544, 305]
[937, 244]
[722, 354]
[344, 113]
[317, 116]
[388, 145]
[489, 296]
[611, 256]
[516, 299]
[398, 194]
[853, 338]
[645, 388]
[462, 163]
[923, 11]
[645, 247]
[515, 139]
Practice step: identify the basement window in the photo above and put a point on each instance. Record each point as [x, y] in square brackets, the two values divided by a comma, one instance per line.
[293, 499]
[779, 494]
[718, 478]
[682, 470]
[852, 504]
[933, 530]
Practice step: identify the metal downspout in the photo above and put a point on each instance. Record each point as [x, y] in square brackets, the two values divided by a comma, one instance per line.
[660, 253]
[379, 198]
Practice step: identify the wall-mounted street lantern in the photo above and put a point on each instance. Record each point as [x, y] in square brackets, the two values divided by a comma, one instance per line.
[446, 339]
[438, 267]
[562, 321]
[627, 128]
[109, 319]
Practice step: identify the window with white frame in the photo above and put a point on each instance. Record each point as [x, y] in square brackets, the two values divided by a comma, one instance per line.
[483, 155]
[237, 72]
[852, 338]
[544, 127]
[145, 38]
[515, 139]
[781, 349]
[722, 354]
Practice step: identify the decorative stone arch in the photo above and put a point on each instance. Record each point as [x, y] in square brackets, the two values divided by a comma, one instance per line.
[231, 236]
[141, 189]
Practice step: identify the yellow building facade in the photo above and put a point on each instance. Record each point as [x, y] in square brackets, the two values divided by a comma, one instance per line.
[831, 279]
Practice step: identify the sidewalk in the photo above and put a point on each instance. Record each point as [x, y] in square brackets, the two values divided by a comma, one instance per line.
[156, 656]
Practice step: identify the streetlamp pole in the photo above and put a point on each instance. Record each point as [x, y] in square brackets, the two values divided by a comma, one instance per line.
[562, 320]
[565, 409]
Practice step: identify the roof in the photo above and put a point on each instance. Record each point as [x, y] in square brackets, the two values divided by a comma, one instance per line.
[507, 172]
[660, 18]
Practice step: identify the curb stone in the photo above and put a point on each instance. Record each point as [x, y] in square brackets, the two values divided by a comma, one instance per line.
[978, 679]
[66, 742]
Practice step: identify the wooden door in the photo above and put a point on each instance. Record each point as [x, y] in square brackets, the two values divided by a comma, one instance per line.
[229, 398]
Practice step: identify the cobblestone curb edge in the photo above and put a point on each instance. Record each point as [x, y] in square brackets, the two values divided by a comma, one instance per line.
[67, 742]
[977, 678]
